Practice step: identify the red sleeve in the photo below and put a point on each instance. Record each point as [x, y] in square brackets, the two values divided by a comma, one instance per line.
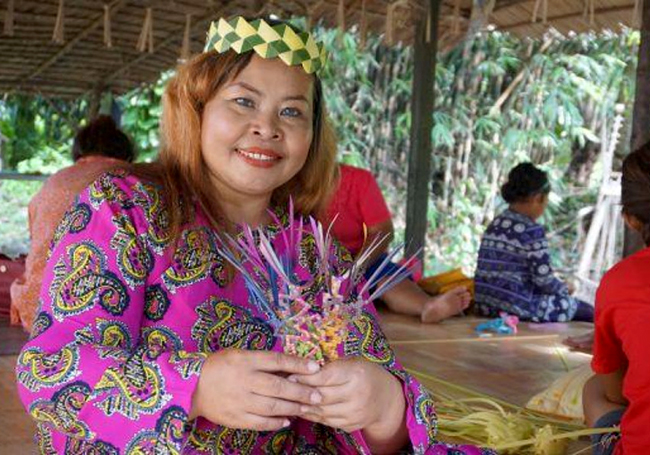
[608, 350]
[371, 201]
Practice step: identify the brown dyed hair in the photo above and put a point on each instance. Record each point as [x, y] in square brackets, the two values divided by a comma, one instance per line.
[635, 188]
[181, 168]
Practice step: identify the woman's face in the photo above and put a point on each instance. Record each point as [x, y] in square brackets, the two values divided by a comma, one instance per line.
[257, 129]
[539, 204]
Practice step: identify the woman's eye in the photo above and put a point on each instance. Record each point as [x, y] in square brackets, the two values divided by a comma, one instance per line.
[290, 112]
[245, 102]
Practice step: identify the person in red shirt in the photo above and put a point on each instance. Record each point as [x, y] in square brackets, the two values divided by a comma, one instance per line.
[360, 213]
[619, 393]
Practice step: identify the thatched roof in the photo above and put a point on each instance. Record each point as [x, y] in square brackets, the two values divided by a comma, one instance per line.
[31, 62]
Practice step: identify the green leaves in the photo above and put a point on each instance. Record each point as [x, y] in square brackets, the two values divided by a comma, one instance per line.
[499, 100]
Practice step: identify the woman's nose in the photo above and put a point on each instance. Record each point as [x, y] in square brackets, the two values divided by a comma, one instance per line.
[265, 126]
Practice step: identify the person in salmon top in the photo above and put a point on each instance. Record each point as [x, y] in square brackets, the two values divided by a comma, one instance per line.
[98, 147]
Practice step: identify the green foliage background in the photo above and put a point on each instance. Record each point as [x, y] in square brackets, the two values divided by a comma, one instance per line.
[559, 97]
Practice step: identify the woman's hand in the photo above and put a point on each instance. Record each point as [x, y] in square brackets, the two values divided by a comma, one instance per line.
[250, 390]
[359, 395]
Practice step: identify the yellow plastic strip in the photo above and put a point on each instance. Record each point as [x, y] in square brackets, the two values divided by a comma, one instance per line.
[572, 434]
[473, 393]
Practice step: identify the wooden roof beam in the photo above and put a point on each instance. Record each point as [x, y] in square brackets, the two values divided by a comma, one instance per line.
[504, 4]
[114, 6]
[175, 35]
[551, 19]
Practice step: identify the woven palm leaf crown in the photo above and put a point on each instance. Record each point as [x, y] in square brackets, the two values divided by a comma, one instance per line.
[268, 41]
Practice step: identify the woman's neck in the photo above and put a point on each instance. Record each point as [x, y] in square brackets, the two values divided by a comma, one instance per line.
[244, 209]
[523, 208]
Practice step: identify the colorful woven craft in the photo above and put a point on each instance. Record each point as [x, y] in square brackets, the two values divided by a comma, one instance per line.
[311, 315]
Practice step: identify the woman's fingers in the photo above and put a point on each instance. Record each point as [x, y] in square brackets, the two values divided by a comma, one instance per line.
[337, 416]
[333, 374]
[276, 362]
[273, 407]
[275, 386]
[328, 412]
[336, 394]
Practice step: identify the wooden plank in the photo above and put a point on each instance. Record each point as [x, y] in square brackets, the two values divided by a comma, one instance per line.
[422, 102]
[509, 368]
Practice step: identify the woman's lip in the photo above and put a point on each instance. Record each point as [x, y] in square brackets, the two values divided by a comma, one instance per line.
[260, 151]
[262, 160]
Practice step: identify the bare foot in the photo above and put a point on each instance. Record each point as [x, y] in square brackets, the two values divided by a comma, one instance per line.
[443, 306]
[581, 343]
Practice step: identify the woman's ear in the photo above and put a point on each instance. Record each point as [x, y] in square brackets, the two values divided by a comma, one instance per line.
[632, 222]
[540, 198]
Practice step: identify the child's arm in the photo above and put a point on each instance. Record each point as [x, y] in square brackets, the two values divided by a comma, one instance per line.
[613, 386]
[375, 214]
[596, 401]
[383, 229]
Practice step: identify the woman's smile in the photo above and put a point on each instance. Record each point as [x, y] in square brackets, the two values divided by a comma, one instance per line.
[259, 157]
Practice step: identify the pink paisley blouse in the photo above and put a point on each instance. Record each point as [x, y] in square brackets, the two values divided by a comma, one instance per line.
[125, 325]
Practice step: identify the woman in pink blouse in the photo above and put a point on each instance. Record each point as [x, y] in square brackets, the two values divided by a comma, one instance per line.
[98, 147]
[147, 342]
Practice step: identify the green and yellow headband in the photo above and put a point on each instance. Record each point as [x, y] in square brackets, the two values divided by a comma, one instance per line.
[268, 41]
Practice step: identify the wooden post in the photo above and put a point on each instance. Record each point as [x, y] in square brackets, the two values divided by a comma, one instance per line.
[641, 115]
[422, 102]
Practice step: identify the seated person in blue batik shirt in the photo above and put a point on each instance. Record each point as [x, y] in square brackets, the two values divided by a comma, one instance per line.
[513, 272]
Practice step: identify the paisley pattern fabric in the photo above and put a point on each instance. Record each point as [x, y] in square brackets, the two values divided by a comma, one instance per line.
[127, 322]
[514, 273]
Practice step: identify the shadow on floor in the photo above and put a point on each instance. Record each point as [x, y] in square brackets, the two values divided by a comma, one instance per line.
[12, 338]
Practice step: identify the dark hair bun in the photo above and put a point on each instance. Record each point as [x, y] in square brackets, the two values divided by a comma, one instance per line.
[102, 137]
[524, 180]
